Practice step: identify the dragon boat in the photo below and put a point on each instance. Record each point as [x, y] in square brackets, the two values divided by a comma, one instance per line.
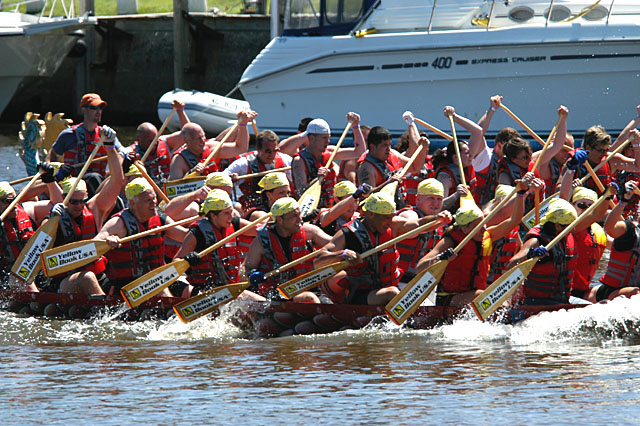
[277, 318]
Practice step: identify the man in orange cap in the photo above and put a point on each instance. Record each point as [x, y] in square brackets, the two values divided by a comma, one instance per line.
[76, 143]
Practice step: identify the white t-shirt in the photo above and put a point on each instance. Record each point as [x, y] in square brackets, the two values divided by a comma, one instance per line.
[483, 159]
[241, 165]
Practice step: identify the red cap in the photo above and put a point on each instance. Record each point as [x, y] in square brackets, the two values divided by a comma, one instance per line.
[92, 99]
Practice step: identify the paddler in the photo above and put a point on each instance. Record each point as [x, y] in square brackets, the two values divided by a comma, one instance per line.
[158, 162]
[485, 159]
[311, 162]
[374, 280]
[266, 157]
[82, 219]
[198, 147]
[622, 276]
[279, 242]
[550, 280]
[222, 266]
[467, 272]
[412, 138]
[381, 164]
[273, 186]
[428, 203]
[77, 142]
[131, 260]
[347, 197]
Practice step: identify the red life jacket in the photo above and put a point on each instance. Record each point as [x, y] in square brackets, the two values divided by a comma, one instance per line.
[135, 258]
[274, 255]
[385, 170]
[250, 198]
[487, 180]
[158, 163]
[191, 160]
[378, 270]
[220, 266]
[470, 269]
[503, 251]
[312, 165]
[551, 277]
[454, 173]
[622, 269]
[70, 231]
[603, 173]
[411, 183]
[85, 144]
[590, 244]
[13, 238]
[411, 250]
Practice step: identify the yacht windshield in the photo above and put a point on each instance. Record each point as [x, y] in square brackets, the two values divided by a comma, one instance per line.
[323, 17]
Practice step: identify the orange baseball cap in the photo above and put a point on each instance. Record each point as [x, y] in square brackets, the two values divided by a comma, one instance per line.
[92, 99]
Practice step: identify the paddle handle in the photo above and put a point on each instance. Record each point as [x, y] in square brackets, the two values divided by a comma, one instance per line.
[160, 132]
[570, 227]
[597, 180]
[83, 170]
[140, 166]
[22, 193]
[457, 148]
[255, 127]
[521, 123]
[537, 203]
[433, 129]
[495, 210]
[293, 263]
[222, 142]
[335, 151]
[266, 172]
[545, 146]
[392, 241]
[406, 167]
[226, 239]
[158, 229]
[95, 160]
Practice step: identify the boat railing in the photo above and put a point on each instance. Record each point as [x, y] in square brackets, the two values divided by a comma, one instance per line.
[41, 7]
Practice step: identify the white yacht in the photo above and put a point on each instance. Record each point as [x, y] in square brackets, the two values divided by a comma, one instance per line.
[34, 45]
[382, 57]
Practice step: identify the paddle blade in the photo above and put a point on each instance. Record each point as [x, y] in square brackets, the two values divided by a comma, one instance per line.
[28, 263]
[152, 283]
[208, 301]
[310, 199]
[409, 299]
[467, 200]
[390, 189]
[529, 220]
[71, 256]
[494, 296]
[175, 188]
[310, 280]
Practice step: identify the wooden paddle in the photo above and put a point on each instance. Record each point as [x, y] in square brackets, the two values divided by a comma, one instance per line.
[160, 132]
[393, 186]
[214, 152]
[24, 179]
[160, 278]
[528, 219]
[311, 196]
[140, 166]
[260, 174]
[494, 296]
[433, 129]
[314, 278]
[255, 127]
[19, 197]
[28, 263]
[403, 305]
[467, 198]
[210, 300]
[524, 126]
[175, 188]
[71, 256]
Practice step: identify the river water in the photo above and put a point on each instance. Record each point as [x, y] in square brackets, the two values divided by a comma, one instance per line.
[570, 367]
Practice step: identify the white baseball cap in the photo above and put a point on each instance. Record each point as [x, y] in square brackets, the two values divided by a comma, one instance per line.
[318, 127]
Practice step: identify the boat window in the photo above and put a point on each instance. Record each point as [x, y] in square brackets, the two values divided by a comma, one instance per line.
[323, 17]
[597, 13]
[559, 13]
[521, 13]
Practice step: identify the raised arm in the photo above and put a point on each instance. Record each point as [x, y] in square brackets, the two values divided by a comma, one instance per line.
[184, 206]
[241, 144]
[557, 144]
[477, 135]
[620, 162]
[484, 122]
[359, 145]
[102, 203]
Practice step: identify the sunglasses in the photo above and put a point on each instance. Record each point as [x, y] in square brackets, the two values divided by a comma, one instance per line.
[8, 200]
[100, 107]
[601, 151]
[77, 202]
[583, 206]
